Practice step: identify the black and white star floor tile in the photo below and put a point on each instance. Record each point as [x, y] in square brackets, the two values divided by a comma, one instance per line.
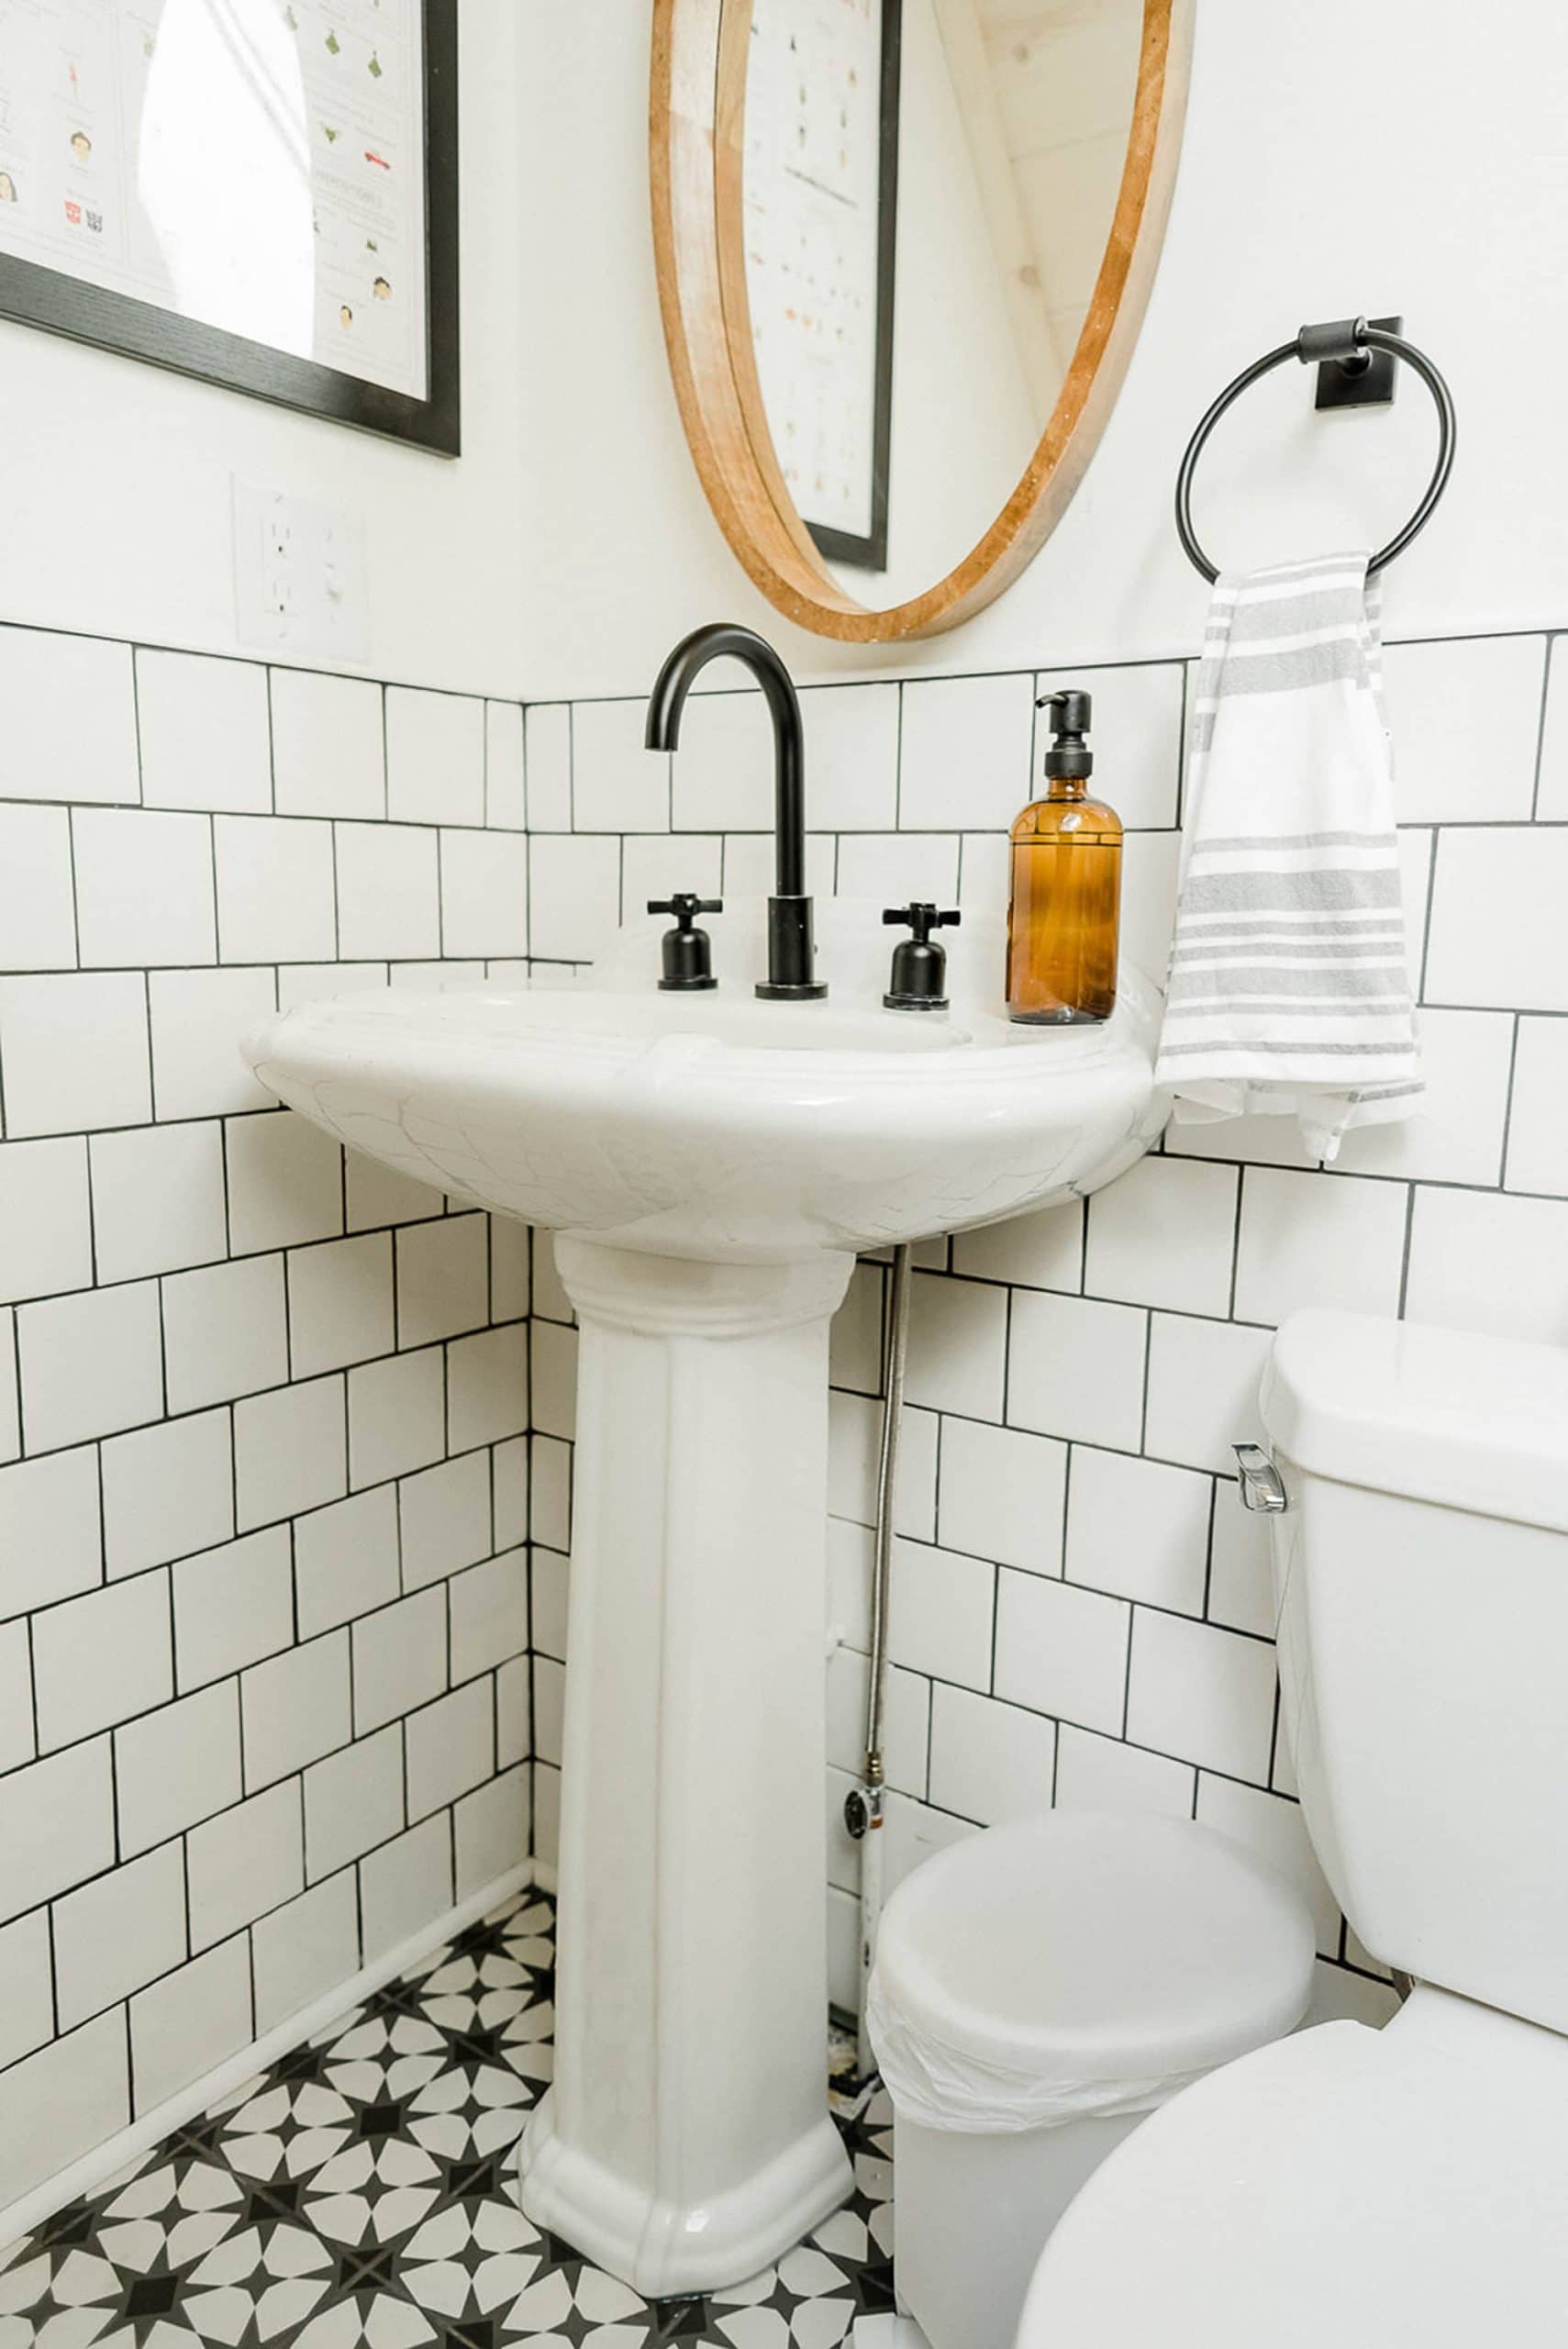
[358, 2195]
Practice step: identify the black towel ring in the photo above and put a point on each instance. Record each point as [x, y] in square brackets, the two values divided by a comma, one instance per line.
[1350, 342]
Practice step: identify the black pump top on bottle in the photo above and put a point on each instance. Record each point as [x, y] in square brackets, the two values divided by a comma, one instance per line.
[1069, 756]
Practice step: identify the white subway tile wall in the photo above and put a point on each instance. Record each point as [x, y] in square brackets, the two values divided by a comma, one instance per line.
[234, 1674]
[1082, 1612]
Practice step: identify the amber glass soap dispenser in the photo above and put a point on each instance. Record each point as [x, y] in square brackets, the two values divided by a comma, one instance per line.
[1066, 885]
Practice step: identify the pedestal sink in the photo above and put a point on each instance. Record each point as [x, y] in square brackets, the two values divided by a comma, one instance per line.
[712, 1163]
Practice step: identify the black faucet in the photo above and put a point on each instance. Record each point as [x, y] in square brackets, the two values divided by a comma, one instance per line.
[791, 953]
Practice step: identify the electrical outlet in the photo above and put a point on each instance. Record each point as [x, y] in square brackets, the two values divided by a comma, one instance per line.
[299, 575]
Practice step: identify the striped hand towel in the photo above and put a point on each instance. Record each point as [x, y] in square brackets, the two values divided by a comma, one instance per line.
[1288, 989]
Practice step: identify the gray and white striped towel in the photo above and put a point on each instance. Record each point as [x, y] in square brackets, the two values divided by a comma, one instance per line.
[1289, 990]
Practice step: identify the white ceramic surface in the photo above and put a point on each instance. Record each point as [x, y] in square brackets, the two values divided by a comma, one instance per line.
[714, 1163]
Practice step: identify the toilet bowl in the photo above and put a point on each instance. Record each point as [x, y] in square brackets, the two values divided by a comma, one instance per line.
[1410, 2185]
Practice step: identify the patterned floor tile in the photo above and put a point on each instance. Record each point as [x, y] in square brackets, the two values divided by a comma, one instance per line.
[358, 2195]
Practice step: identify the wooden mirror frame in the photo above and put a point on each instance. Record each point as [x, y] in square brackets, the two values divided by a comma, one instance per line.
[696, 154]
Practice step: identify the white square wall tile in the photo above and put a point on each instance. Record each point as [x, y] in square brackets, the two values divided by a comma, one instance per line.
[396, 1415]
[1495, 1263]
[965, 744]
[158, 1199]
[274, 890]
[27, 1995]
[289, 1451]
[655, 865]
[854, 1339]
[899, 866]
[723, 772]
[1202, 1694]
[17, 1741]
[1148, 901]
[749, 867]
[46, 1230]
[492, 1829]
[197, 1019]
[546, 734]
[10, 1405]
[285, 1182]
[176, 1765]
[617, 783]
[345, 1558]
[1136, 738]
[1331, 1239]
[1138, 1528]
[1164, 1233]
[1275, 1829]
[854, 1437]
[388, 891]
[509, 1479]
[353, 1800]
[851, 757]
[489, 1613]
[443, 1278]
[232, 1606]
[1552, 805]
[990, 1761]
[1043, 1250]
[69, 718]
[509, 1269]
[1001, 1495]
[1538, 1123]
[573, 895]
[168, 1490]
[75, 1052]
[452, 1747]
[400, 1658]
[90, 1364]
[50, 1545]
[118, 1933]
[435, 757]
[514, 1712]
[305, 1949]
[1496, 933]
[445, 1518]
[1203, 1390]
[1458, 1137]
[38, 917]
[205, 734]
[505, 797]
[1060, 1649]
[328, 755]
[406, 1886]
[57, 1825]
[295, 1708]
[379, 1194]
[942, 1623]
[1075, 1368]
[224, 1333]
[243, 1863]
[1096, 1772]
[985, 875]
[1458, 712]
[487, 1383]
[62, 2103]
[184, 2026]
[958, 1346]
[339, 1301]
[484, 894]
[1241, 1573]
[102, 1658]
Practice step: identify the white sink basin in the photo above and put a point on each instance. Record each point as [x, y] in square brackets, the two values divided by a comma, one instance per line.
[718, 1126]
[709, 1162]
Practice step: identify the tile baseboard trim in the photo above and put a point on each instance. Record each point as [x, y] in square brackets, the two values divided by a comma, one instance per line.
[94, 2169]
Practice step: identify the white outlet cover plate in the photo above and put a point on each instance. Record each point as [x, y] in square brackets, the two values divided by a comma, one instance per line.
[300, 575]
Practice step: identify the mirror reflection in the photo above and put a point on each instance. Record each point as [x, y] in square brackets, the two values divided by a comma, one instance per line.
[927, 190]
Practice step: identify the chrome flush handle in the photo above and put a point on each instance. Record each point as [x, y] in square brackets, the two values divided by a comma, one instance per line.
[1261, 1486]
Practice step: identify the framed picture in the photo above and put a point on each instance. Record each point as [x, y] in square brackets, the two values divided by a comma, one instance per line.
[262, 193]
[821, 227]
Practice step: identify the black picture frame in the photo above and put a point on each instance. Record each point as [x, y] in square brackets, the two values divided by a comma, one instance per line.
[37, 295]
[869, 553]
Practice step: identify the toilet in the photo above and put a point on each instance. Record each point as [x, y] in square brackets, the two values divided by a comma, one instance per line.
[1408, 2186]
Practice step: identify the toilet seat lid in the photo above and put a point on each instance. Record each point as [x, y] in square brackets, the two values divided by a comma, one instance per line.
[1391, 2187]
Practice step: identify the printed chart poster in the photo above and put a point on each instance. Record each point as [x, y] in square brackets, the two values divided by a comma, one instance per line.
[254, 165]
[812, 184]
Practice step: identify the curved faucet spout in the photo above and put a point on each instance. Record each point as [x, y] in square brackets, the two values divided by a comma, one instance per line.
[791, 952]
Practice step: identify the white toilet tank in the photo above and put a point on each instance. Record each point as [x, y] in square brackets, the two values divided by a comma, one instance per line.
[1422, 1584]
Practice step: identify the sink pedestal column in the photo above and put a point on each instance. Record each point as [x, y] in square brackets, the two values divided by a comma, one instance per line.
[687, 2141]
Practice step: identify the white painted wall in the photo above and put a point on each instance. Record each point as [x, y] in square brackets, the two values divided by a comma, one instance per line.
[1405, 157]
[115, 476]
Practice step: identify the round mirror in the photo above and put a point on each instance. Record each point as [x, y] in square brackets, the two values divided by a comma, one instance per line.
[903, 247]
